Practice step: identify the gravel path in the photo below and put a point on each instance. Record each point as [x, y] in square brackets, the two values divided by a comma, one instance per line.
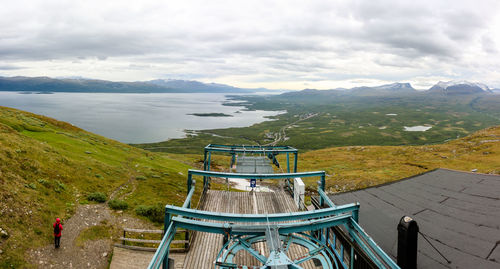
[94, 254]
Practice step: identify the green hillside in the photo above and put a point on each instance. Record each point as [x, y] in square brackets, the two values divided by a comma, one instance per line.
[48, 168]
[356, 167]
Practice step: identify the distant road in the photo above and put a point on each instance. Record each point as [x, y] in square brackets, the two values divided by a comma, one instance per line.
[282, 132]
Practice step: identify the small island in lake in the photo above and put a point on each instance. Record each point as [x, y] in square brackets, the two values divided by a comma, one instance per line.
[211, 115]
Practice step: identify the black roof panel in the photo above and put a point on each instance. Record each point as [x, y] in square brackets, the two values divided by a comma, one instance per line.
[458, 212]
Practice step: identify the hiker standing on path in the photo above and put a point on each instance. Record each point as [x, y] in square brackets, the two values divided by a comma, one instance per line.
[57, 232]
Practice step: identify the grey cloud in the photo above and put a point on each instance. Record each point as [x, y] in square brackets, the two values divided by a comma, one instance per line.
[10, 67]
[286, 39]
[489, 45]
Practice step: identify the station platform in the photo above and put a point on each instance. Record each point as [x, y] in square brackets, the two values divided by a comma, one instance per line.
[254, 165]
[205, 246]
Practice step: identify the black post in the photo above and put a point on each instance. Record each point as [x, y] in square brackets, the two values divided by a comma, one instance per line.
[407, 243]
[171, 263]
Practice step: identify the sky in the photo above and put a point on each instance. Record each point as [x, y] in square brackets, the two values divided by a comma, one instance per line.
[274, 44]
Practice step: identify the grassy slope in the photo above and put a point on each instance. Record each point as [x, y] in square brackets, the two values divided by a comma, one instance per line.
[355, 167]
[363, 166]
[47, 167]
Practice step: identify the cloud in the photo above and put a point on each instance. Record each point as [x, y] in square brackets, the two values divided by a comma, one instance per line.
[280, 41]
[10, 67]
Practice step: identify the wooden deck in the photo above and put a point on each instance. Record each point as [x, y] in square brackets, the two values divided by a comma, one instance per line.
[134, 259]
[205, 246]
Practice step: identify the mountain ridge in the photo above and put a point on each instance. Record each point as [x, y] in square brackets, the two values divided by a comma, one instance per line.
[459, 87]
[47, 84]
[449, 87]
[81, 84]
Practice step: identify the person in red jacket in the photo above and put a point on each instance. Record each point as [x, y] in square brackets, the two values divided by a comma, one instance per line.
[57, 232]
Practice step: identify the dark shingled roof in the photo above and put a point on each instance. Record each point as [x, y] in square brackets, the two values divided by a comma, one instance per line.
[458, 212]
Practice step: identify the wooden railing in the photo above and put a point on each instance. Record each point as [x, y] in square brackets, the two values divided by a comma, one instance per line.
[135, 243]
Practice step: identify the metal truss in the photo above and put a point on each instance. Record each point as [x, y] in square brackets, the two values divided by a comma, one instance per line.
[308, 229]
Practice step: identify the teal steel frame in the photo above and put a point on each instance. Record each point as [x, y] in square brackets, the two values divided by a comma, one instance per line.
[238, 227]
[234, 149]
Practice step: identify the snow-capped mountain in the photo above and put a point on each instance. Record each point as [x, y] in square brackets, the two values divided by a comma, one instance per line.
[459, 87]
[395, 86]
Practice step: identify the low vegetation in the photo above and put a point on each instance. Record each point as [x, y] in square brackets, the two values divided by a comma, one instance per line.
[357, 167]
[48, 168]
[211, 115]
[118, 204]
[155, 213]
[96, 232]
[97, 197]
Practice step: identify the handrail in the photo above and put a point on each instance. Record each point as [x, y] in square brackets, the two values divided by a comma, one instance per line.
[239, 229]
[233, 217]
[373, 246]
[187, 202]
[360, 236]
[162, 250]
[132, 230]
[325, 197]
[256, 176]
[246, 148]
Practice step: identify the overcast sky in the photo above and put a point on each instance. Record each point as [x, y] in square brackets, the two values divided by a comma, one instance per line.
[274, 44]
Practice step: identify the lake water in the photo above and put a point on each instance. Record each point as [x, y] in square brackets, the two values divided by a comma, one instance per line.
[136, 118]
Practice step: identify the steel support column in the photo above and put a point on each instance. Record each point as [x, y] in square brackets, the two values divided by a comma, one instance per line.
[295, 162]
[288, 162]
[204, 166]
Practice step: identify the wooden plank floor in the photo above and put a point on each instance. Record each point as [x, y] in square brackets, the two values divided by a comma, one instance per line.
[205, 246]
[135, 259]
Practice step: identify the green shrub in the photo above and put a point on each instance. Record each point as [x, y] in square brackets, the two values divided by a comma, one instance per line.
[31, 186]
[118, 204]
[44, 182]
[101, 231]
[59, 186]
[155, 213]
[140, 178]
[97, 196]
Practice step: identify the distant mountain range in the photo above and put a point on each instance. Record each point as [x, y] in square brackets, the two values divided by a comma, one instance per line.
[46, 84]
[459, 87]
[442, 88]
[79, 84]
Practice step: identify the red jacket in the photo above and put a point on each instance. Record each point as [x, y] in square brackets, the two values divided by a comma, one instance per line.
[60, 229]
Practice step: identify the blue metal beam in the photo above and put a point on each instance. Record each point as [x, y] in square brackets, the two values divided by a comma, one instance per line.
[325, 197]
[232, 217]
[366, 249]
[288, 162]
[252, 151]
[187, 202]
[243, 147]
[238, 229]
[295, 162]
[378, 250]
[162, 252]
[256, 176]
